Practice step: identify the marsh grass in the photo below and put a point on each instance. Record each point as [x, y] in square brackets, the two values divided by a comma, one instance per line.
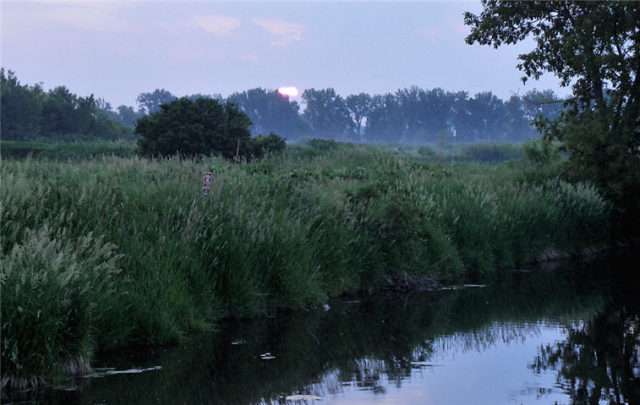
[102, 253]
[66, 150]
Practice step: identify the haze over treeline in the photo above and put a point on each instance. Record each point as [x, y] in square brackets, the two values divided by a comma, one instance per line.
[408, 115]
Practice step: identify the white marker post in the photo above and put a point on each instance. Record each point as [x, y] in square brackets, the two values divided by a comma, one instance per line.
[453, 146]
[206, 181]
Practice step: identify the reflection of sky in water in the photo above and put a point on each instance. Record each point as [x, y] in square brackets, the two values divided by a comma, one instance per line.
[488, 366]
[472, 346]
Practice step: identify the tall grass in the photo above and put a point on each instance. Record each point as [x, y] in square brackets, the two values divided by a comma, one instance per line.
[97, 254]
[66, 150]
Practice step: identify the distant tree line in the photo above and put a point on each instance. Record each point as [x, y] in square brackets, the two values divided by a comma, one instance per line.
[29, 112]
[419, 115]
[409, 115]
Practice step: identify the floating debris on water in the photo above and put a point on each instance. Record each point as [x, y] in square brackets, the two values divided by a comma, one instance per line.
[303, 398]
[459, 287]
[422, 364]
[105, 371]
[267, 356]
[238, 342]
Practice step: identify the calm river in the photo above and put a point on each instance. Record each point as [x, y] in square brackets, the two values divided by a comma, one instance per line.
[563, 335]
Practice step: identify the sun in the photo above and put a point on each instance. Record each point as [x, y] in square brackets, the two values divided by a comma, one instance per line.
[288, 91]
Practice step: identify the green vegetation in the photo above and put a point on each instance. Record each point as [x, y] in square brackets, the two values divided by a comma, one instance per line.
[140, 256]
[408, 115]
[201, 127]
[592, 47]
[30, 113]
[467, 152]
[269, 111]
[66, 150]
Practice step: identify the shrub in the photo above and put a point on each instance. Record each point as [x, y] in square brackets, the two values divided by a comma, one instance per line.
[261, 145]
[427, 152]
[491, 152]
[541, 152]
[192, 128]
[323, 144]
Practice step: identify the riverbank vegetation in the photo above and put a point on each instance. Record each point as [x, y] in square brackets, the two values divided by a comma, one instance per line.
[126, 250]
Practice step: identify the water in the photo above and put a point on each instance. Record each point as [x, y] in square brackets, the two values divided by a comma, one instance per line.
[532, 338]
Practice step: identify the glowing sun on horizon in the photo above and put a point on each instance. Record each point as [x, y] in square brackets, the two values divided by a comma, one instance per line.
[288, 91]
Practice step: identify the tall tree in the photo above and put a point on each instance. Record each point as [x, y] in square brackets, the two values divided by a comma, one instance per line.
[127, 115]
[413, 113]
[594, 48]
[30, 113]
[359, 106]
[20, 109]
[327, 113]
[385, 121]
[517, 126]
[543, 104]
[271, 112]
[488, 112]
[64, 113]
[438, 106]
[150, 102]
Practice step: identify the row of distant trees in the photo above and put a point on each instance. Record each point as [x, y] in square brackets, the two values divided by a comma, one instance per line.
[29, 112]
[409, 115]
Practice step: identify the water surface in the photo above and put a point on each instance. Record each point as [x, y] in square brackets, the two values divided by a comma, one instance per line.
[540, 337]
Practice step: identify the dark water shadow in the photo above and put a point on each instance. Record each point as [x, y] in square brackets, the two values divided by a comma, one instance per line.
[381, 341]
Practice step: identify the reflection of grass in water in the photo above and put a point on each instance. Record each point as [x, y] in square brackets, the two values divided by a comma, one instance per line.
[284, 232]
[362, 344]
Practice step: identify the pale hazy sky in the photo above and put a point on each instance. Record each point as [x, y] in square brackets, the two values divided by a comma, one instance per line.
[118, 49]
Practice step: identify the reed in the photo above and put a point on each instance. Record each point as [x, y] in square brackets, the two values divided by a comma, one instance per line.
[111, 251]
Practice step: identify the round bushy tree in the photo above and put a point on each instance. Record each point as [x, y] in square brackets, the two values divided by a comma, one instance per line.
[195, 127]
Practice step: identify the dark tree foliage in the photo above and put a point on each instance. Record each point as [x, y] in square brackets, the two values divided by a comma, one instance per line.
[261, 145]
[21, 108]
[384, 122]
[410, 114]
[269, 111]
[598, 361]
[200, 127]
[28, 112]
[418, 115]
[125, 115]
[150, 102]
[592, 47]
[359, 106]
[327, 113]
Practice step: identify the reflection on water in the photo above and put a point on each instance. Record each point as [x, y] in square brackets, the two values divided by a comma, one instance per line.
[540, 337]
[598, 361]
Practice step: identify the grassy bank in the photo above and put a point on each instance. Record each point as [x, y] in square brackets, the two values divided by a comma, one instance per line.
[66, 150]
[98, 254]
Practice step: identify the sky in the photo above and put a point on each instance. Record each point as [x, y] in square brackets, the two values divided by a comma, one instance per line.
[119, 49]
